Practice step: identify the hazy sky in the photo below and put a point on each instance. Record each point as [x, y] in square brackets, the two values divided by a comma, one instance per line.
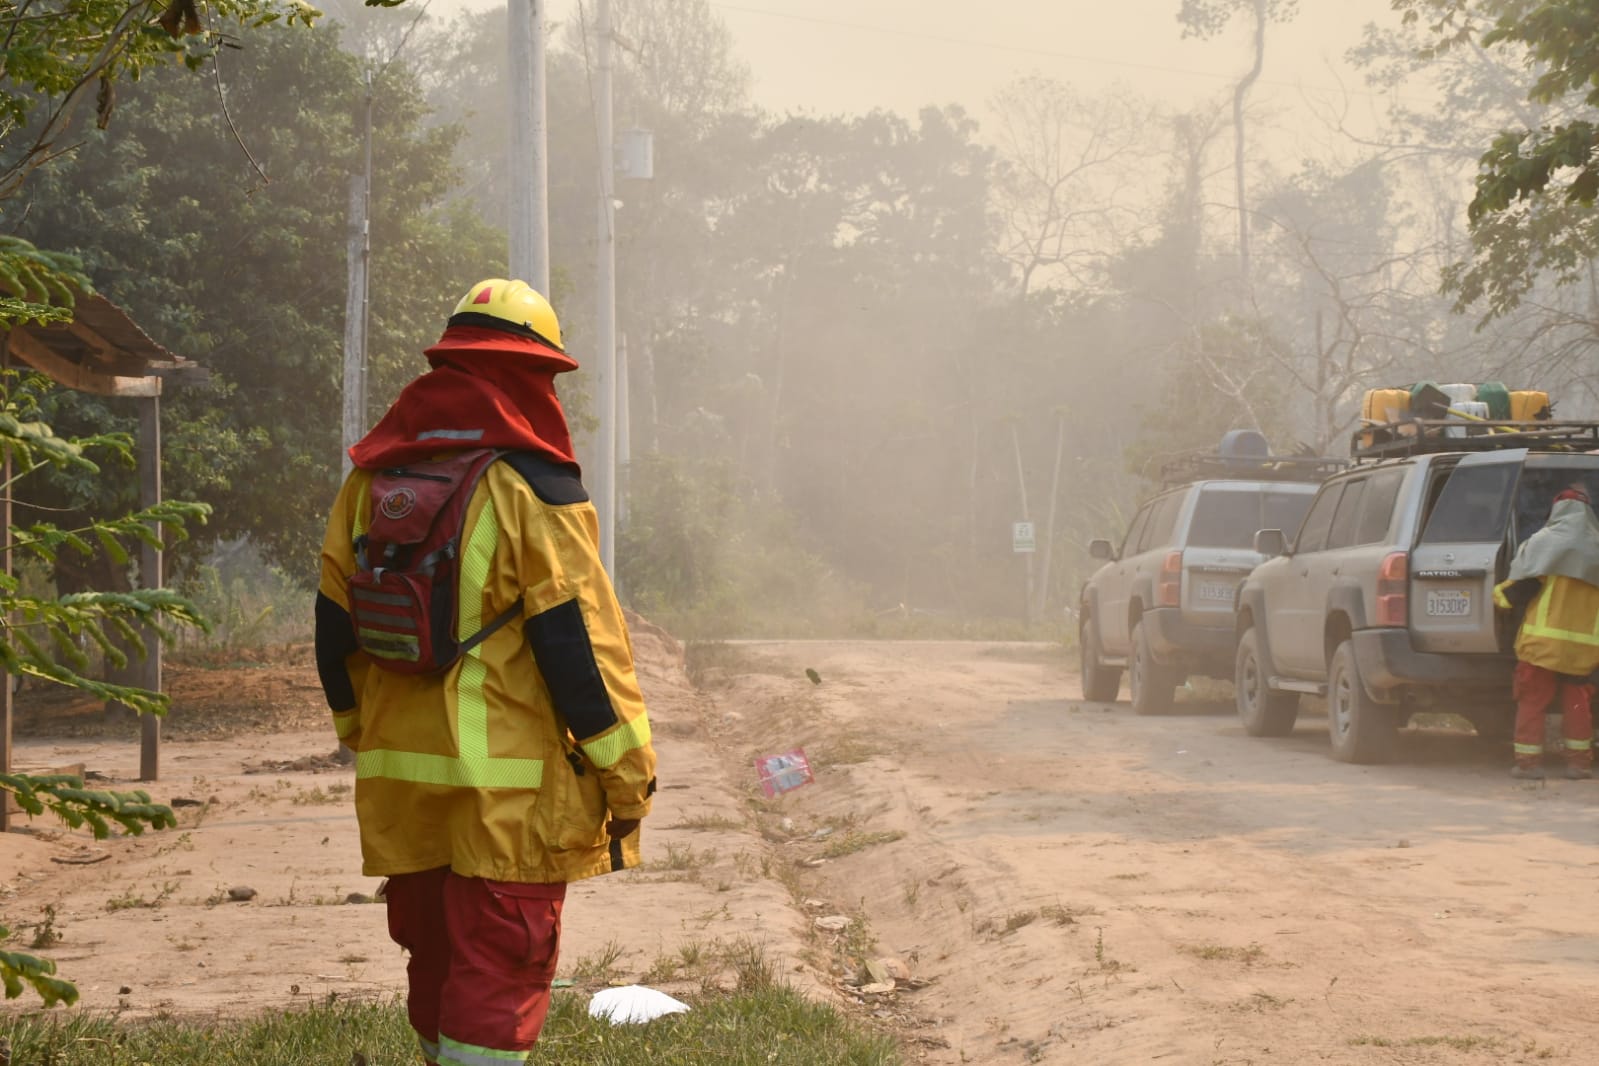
[852, 55]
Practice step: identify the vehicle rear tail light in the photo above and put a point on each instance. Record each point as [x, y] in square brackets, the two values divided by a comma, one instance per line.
[1169, 593]
[1393, 590]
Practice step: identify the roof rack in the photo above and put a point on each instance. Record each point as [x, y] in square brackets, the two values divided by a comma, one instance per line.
[1426, 436]
[1202, 466]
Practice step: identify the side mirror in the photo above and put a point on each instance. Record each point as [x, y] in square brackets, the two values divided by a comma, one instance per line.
[1101, 549]
[1271, 543]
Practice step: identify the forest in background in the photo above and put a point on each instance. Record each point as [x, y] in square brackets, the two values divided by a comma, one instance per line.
[860, 346]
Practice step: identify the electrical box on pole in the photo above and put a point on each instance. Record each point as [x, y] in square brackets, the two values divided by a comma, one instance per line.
[635, 154]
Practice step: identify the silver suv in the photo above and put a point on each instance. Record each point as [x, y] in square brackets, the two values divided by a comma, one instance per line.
[1162, 606]
[1383, 602]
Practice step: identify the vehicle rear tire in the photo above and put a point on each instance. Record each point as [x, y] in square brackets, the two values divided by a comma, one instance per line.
[1153, 687]
[1101, 683]
[1362, 730]
[1265, 712]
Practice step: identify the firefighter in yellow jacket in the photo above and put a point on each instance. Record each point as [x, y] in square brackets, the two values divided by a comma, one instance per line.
[1555, 576]
[483, 788]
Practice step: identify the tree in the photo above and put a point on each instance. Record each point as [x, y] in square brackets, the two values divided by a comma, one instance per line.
[41, 637]
[172, 221]
[50, 56]
[1068, 174]
[1207, 18]
[1358, 303]
[1537, 180]
[56, 54]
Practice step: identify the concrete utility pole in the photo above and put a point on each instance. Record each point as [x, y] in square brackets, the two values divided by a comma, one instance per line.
[605, 297]
[530, 196]
[624, 427]
[358, 298]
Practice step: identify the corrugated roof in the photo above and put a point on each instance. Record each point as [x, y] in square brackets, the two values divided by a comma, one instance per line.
[103, 339]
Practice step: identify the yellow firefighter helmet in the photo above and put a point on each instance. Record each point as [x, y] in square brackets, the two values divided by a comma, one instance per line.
[514, 306]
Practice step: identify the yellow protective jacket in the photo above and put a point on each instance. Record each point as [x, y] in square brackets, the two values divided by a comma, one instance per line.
[1560, 630]
[508, 765]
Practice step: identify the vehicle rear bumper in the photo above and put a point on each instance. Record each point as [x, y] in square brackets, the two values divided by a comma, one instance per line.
[1176, 640]
[1388, 663]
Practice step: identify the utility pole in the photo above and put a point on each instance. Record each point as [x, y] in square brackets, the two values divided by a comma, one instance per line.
[624, 426]
[358, 299]
[530, 198]
[605, 297]
[1021, 488]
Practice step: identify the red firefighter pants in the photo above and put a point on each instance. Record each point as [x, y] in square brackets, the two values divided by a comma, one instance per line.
[1536, 690]
[482, 958]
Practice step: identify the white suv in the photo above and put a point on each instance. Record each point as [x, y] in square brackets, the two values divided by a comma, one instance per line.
[1383, 599]
[1162, 606]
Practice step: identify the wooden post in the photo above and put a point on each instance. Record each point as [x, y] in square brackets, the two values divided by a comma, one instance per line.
[150, 577]
[5, 678]
[1021, 487]
[1049, 524]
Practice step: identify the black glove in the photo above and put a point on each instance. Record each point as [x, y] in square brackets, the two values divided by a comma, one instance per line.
[1523, 592]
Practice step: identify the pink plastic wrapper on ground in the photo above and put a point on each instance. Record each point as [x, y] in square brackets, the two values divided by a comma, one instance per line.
[784, 772]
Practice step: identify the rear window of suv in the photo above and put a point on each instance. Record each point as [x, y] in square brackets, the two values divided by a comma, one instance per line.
[1474, 506]
[1542, 478]
[1230, 518]
[1477, 502]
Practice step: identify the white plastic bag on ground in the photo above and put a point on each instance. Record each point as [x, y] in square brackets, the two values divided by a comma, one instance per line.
[633, 1003]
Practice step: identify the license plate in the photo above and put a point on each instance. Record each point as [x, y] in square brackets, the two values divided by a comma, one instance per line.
[1453, 603]
[1213, 592]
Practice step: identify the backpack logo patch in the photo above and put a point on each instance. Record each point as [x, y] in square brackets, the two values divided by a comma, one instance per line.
[397, 504]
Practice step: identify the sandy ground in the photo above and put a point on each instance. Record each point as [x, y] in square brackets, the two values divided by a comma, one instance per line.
[1061, 882]
[148, 928]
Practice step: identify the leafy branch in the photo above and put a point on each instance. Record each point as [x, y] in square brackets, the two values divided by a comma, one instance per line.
[1536, 185]
[64, 796]
[54, 60]
[37, 285]
[44, 637]
[18, 969]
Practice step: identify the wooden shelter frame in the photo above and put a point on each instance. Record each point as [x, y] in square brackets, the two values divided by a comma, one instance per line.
[104, 352]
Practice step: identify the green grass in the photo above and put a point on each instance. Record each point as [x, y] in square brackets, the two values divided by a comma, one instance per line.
[1222, 953]
[763, 1024]
[1457, 1043]
[851, 842]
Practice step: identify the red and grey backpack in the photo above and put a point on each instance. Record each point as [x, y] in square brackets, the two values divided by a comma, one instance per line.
[403, 595]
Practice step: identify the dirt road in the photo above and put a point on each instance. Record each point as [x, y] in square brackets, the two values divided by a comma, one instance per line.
[1066, 883]
[1085, 886]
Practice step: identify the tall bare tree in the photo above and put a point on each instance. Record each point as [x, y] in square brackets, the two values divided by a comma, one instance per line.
[1207, 18]
[1069, 164]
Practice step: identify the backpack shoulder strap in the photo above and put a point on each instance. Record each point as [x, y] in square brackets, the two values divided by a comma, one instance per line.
[553, 482]
[480, 466]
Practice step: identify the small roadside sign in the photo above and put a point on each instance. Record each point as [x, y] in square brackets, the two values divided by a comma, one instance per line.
[1021, 537]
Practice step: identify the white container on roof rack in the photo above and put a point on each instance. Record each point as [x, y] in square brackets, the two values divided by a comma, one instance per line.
[1465, 411]
[1459, 394]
